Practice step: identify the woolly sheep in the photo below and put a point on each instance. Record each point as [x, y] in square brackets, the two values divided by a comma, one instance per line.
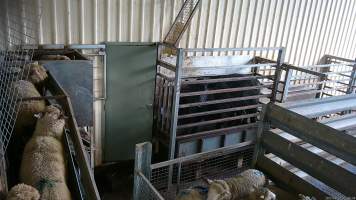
[237, 187]
[23, 192]
[55, 191]
[27, 109]
[51, 123]
[35, 72]
[261, 193]
[43, 159]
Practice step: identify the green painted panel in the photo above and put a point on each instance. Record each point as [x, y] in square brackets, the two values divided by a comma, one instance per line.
[130, 92]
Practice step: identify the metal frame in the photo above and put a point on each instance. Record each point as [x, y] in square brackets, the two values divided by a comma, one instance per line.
[330, 140]
[317, 81]
[172, 76]
[149, 183]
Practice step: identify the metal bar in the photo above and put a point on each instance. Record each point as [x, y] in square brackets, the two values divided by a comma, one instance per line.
[223, 101]
[315, 108]
[142, 165]
[84, 46]
[352, 80]
[320, 135]
[232, 49]
[227, 90]
[283, 177]
[319, 74]
[262, 126]
[175, 104]
[228, 67]
[277, 75]
[338, 58]
[217, 121]
[166, 65]
[318, 167]
[205, 155]
[216, 132]
[219, 80]
[286, 85]
[218, 111]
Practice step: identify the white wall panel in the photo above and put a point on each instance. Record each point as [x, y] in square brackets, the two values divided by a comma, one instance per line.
[307, 28]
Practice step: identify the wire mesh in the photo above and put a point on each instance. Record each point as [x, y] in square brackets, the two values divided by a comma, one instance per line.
[181, 21]
[18, 21]
[190, 173]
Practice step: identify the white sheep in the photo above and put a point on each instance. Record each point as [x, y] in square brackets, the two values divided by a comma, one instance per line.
[238, 187]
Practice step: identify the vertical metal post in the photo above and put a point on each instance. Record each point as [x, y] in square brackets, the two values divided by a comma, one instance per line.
[175, 104]
[277, 75]
[287, 80]
[263, 125]
[143, 165]
[352, 83]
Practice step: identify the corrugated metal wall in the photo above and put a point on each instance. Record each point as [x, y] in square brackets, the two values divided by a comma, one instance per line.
[307, 28]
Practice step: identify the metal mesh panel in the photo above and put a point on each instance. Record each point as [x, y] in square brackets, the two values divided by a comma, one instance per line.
[18, 19]
[189, 173]
[181, 21]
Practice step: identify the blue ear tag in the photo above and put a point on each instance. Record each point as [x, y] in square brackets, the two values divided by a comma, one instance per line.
[201, 189]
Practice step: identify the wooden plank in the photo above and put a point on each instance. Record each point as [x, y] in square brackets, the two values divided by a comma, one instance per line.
[324, 137]
[320, 168]
[283, 177]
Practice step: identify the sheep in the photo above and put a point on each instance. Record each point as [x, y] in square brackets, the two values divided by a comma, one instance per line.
[43, 166]
[23, 192]
[35, 73]
[261, 193]
[194, 193]
[50, 123]
[237, 187]
[54, 57]
[27, 109]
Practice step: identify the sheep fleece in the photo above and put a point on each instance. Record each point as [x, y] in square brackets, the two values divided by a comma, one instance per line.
[23, 192]
[237, 187]
[43, 166]
[51, 123]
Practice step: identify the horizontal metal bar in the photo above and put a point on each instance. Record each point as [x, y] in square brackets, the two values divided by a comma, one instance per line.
[171, 79]
[337, 72]
[320, 135]
[326, 65]
[318, 167]
[305, 70]
[205, 155]
[166, 65]
[318, 107]
[338, 58]
[219, 80]
[42, 98]
[233, 49]
[218, 111]
[197, 68]
[149, 184]
[284, 178]
[223, 101]
[217, 121]
[86, 46]
[216, 132]
[226, 90]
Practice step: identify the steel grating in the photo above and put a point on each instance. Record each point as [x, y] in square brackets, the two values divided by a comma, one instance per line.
[18, 21]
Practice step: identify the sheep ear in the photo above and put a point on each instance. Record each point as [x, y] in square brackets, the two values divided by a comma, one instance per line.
[207, 181]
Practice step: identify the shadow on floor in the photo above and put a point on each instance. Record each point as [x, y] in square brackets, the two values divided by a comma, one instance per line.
[115, 180]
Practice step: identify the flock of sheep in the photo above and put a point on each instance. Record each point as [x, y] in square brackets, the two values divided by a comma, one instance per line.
[43, 170]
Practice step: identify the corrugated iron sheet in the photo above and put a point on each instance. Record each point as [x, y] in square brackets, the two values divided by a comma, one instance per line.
[307, 28]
